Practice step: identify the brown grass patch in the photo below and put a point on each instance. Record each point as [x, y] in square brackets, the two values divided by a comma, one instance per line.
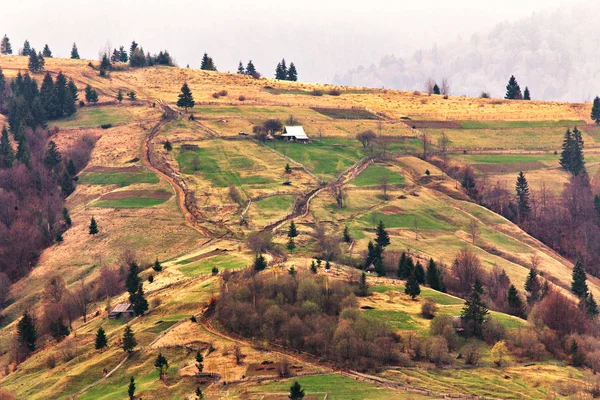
[99, 168]
[508, 168]
[266, 368]
[391, 210]
[147, 194]
[434, 124]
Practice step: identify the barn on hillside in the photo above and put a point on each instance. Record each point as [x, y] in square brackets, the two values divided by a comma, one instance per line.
[122, 310]
[295, 134]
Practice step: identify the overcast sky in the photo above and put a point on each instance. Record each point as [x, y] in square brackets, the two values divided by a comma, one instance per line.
[322, 37]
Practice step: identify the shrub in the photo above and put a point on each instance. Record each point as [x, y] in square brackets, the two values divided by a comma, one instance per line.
[438, 353]
[561, 314]
[445, 97]
[416, 93]
[242, 98]
[499, 353]
[485, 95]
[316, 92]
[493, 331]
[428, 309]
[156, 302]
[223, 93]
[527, 345]
[335, 92]
[81, 103]
[50, 363]
[150, 278]
[439, 323]
[106, 126]
[471, 354]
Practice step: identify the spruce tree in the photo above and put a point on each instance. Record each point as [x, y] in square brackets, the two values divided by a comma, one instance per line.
[513, 91]
[292, 73]
[291, 245]
[292, 232]
[91, 96]
[474, 312]
[250, 68]
[52, 158]
[120, 96]
[199, 362]
[23, 155]
[7, 154]
[522, 188]
[590, 306]
[46, 52]
[168, 146]
[74, 93]
[66, 216]
[162, 365]
[379, 267]
[596, 110]
[370, 254]
[433, 276]
[129, 342]
[93, 227]
[313, 267]
[526, 94]
[5, 46]
[186, 99]
[346, 235]
[156, 266]
[363, 286]
[101, 340]
[62, 95]
[412, 287]
[436, 89]
[67, 185]
[132, 282]
[33, 63]
[138, 301]
[26, 332]
[131, 389]
[26, 49]
[577, 158]
[533, 287]
[579, 285]
[405, 266]
[260, 263]
[241, 69]
[514, 301]
[382, 237]
[71, 170]
[567, 150]
[199, 393]
[75, 52]
[296, 392]
[420, 273]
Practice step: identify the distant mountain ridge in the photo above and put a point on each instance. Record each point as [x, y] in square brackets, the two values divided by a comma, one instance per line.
[555, 53]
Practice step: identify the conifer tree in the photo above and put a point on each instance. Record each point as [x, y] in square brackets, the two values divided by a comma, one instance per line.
[120, 96]
[514, 301]
[131, 389]
[91, 96]
[46, 52]
[71, 170]
[405, 266]
[199, 362]
[291, 245]
[370, 254]
[241, 69]
[52, 157]
[129, 342]
[313, 267]
[260, 263]
[168, 146]
[579, 285]
[74, 93]
[66, 216]
[526, 94]
[7, 154]
[279, 73]
[533, 287]
[156, 266]
[363, 286]
[436, 89]
[591, 307]
[522, 188]
[26, 332]
[347, 237]
[101, 340]
[513, 91]
[132, 48]
[23, 155]
[138, 301]
[123, 57]
[420, 273]
[75, 52]
[67, 185]
[62, 95]
[292, 73]
[93, 227]
[474, 311]
[132, 282]
[577, 158]
[204, 64]
[5, 46]
[162, 365]
[596, 110]
[433, 276]
[199, 393]
[292, 232]
[250, 68]
[412, 287]
[48, 97]
[296, 392]
[382, 237]
[33, 63]
[186, 99]
[379, 267]
[26, 48]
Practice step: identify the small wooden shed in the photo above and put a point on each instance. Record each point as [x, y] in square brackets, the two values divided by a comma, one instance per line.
[122, 310]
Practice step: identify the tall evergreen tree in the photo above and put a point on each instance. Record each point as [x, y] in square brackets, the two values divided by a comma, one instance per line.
[123, 57]
[199, 362]
[204, 64]
[405, 266]
[474, 312]
[279, 72]
[7, 154]
[292, 232]
[74, 52]
[291, 245]
[162, 365]
[433, 276]
[533, 287]
[186, 99]
[128, 342]
[436, 89]
[412, 287]
[522, 188]
[591, 307]
[46, 52]
[260, 263]
[34, 64]
[526, 94]
[93, 227]
[292, 73]
[595, 115]
[48, 97]
[52, 157]
[101, 340]
[420, 273]
[250, 68]
[296, 392]
[62, 95]
[138, 301]
[577, 158]
[23, 155]
[132, 48]
[5, 46]
[513, 91]
[131, 389]
[132, 282]
[91, 96]
[26, 332]
[241, 69]
[514, 301]
[363, 286]
[579, 285]
[346, 235]
[382, 237]
[26, 49]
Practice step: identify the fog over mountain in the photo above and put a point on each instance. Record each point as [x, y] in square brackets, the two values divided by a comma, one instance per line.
[555, 53]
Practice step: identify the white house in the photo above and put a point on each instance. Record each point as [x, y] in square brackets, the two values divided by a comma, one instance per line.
[295, 134]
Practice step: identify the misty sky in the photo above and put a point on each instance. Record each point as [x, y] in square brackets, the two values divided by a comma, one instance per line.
[322, 37]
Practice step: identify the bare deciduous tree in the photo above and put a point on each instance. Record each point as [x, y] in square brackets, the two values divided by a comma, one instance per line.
[384, 181]
[466, 267]
[83, 297]
[443, 142]
[429, 84]
[445, 88]
[366, 137]
[473, 230]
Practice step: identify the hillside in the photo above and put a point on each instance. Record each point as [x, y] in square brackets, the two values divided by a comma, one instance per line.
[176, 206]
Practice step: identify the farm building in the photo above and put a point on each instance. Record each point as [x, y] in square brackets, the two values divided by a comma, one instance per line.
[122, 310]
[295, 134]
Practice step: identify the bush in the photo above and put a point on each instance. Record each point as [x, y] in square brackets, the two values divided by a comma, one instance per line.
[438, 353]
[223, 93]
[493, 331]
[242, 98]
[316, 92]
[439, 323]
[428, 309]
[335, 92]
[50, 362]
[150, 278]
[471, 354]
[81, 103]
[106, 126]
[485, 95]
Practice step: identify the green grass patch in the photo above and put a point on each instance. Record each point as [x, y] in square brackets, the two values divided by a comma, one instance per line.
[507, 158]
[117, 178]
[374, 175]
[440, 298]
[396, 319]
[205, 266]
[94, 116]
[275, 203]
[517, 124]
[129, 202]
[346, 113]
[406, 221]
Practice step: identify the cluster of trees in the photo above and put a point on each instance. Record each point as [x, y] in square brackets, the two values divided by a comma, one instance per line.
[136, 57]
[431, 87]
[307, 313]
[513, 90]
[250, 70]
[207, 63]
[374, 258]
[285, 73]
